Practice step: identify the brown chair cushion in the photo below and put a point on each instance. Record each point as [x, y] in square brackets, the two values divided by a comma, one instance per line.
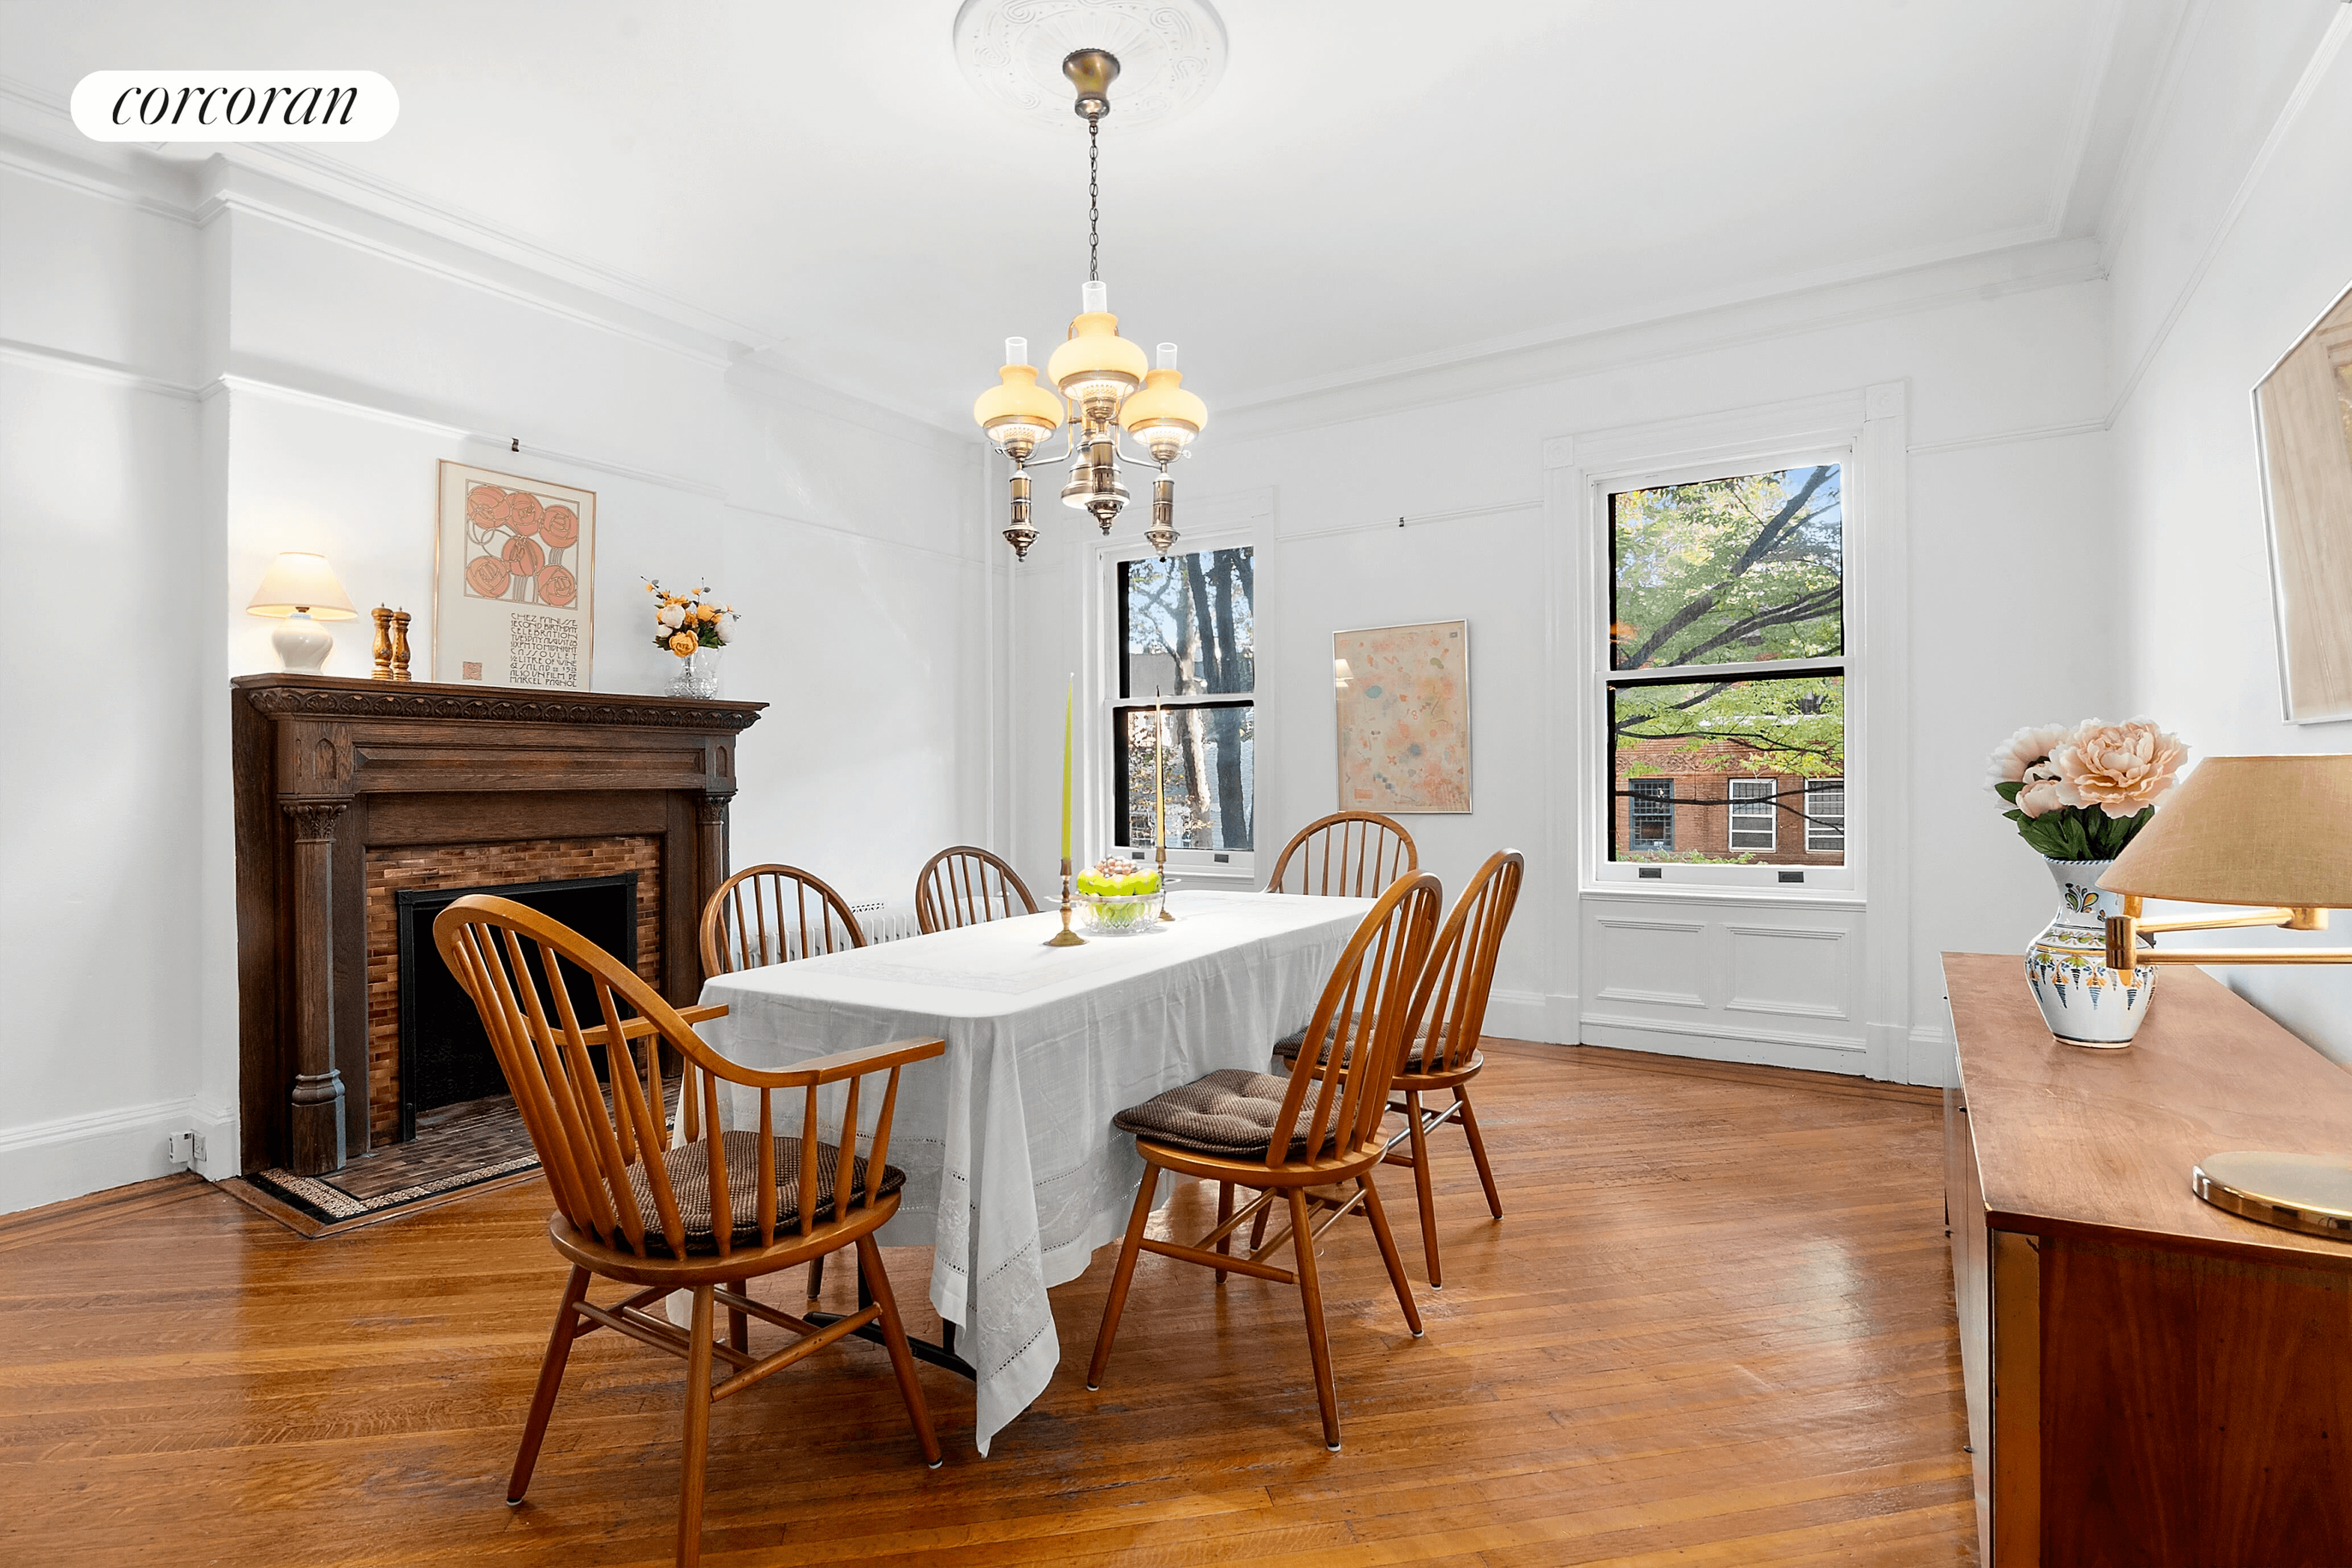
[1230, 1111]
[690, 1183]
[1288, 1047]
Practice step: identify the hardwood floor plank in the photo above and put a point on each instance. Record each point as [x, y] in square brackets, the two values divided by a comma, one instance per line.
[1713, 1327]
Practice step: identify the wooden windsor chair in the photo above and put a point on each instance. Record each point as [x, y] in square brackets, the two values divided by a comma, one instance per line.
[1442, 1032]
[1319, 1127]
[1348, 855]
[965, 886]
[707, 1216]
[770, 914]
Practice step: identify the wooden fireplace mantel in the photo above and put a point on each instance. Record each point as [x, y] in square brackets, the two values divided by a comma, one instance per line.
[325, 769]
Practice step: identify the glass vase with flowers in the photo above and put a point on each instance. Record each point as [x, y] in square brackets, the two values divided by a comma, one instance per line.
[696, 631]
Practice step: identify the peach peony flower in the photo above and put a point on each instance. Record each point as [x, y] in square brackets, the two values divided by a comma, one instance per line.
[684, 644]
[2013, 760]
[2119, 768]
[2041, 791]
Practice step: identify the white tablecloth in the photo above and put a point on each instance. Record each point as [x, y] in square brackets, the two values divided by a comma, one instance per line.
[1014, 1174]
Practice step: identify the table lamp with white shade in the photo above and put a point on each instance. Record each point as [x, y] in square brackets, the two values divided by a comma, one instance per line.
[299, 590]
[2275, 832]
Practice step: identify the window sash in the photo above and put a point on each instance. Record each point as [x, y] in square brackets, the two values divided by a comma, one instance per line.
[1123, 805]
[1755, 813]
[1825, 826]
[1650, 801]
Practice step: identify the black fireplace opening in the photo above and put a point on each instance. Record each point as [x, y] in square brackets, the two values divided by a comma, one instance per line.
[445, 1056]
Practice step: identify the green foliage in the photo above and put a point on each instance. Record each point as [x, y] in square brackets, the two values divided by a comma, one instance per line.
[2073, 832]
[1785, 725]
[1731, 570]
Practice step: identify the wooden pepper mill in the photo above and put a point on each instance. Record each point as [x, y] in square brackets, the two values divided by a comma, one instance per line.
[400, 646]
[382, 618]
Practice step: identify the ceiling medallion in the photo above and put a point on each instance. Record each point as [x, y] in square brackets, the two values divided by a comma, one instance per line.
[1100, 381]
[1170, 52]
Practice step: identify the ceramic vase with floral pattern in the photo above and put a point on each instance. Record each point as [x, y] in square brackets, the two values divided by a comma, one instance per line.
[2084, 1002]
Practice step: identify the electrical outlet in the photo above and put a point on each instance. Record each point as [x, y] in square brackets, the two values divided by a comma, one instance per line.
[180, 1147]
[202, 1158]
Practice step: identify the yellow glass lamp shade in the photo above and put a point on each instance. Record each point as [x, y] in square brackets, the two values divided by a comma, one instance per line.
[1096, 368]
[2249, 830]
[1017, 412]
[1163, 414]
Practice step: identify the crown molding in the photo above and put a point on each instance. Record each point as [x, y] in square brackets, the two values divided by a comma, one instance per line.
[304, 189]
[1436, 379]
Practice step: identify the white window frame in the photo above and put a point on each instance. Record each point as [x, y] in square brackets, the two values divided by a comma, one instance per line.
[1102, 700]
[1812, 827]
[1735, 816]
[1603, 873]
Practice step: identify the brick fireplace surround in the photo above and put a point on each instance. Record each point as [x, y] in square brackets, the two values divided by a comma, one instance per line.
[347, 791]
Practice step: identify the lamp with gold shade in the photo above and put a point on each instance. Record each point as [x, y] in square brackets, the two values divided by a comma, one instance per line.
[2272, 832]
[299, 590]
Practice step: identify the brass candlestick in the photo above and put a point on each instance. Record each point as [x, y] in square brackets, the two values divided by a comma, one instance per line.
[400, 646]
[1066, 937]
[1160, 863]
[382, 618]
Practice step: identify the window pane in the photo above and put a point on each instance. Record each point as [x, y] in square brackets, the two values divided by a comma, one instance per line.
[1754, 820]
[1187, 624]
[1729, 571]
[1738, 768]
[1212, 761]
[1825, 814]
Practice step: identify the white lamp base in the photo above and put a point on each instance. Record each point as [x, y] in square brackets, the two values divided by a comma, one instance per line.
[303, 644]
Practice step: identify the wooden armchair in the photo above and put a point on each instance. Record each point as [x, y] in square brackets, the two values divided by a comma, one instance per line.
[1348, 855]
[707, 1216]
[1442, 1031]
[1320, 1127]
[769, 914]
[965, 886]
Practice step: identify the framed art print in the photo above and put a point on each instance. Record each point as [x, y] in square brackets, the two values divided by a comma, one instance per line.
[2303, 414]
[513, 578]
[1404, 718]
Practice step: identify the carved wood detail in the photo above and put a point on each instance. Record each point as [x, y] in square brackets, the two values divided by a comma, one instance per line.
[325, 768]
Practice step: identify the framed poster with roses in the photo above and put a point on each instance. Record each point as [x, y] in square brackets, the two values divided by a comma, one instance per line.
[513, 573]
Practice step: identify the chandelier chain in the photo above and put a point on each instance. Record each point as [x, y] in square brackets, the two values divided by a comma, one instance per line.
[1094, 198]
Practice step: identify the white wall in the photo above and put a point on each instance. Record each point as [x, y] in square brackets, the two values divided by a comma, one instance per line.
[200, 367]
[2235, 236]
[2003, 362]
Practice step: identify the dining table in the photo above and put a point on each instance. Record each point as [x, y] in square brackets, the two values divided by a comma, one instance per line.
[1013, 1172]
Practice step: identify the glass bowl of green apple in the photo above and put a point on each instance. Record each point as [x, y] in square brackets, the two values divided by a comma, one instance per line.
[1116, 897]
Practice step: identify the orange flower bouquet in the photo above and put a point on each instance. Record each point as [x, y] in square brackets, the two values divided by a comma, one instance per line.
[684, 624]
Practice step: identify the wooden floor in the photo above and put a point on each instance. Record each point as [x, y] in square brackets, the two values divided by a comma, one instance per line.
[1715, 1327]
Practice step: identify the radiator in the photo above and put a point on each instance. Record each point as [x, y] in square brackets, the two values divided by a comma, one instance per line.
[887, 920]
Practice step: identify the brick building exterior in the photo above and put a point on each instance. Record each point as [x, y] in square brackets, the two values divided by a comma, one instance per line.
[1676, 802]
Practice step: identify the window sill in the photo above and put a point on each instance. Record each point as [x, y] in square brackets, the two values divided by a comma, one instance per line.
[1818, 898]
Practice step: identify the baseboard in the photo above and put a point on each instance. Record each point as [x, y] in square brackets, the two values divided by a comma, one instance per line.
[48, 1162]
[1546, 1018]
[1760, 1048]
[1929, 1058]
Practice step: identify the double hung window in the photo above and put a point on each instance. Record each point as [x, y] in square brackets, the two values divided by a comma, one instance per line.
[1723, 680]
[1186, 640]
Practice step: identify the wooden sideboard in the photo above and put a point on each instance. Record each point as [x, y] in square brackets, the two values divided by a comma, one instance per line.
[2150, 1379]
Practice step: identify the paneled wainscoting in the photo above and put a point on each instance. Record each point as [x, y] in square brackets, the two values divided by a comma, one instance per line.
[1715, 1326]
[1780, 983]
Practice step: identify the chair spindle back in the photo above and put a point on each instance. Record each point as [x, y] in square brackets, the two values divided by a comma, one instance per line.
[1348, 855]
[769, 914]
[518, 965]
[1460, 974]
[1365, 1001]
[965, 886]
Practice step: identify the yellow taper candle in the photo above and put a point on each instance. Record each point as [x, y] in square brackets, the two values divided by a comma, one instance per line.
[1069, 708]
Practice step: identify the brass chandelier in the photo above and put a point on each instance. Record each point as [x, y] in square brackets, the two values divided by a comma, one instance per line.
[1101, 374]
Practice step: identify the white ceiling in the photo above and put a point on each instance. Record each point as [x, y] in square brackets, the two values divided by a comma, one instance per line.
[1370, 183]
